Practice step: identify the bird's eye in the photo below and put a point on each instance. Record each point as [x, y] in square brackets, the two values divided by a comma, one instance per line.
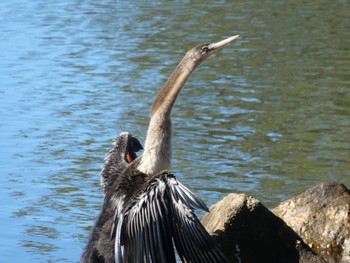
[205, 49]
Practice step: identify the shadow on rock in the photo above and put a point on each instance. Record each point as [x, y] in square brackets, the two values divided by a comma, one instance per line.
[249, 232]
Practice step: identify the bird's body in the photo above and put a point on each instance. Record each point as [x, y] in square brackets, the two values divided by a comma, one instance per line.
[146, 210]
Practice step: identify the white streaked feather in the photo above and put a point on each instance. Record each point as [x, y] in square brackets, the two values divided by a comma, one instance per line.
[149, 232]
[118, 247]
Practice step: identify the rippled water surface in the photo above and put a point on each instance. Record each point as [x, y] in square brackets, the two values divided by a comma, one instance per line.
[268, 116]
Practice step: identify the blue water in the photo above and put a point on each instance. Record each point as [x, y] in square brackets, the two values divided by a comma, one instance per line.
[268, 116]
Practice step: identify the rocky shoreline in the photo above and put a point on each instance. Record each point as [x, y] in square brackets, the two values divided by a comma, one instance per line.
[311, 227]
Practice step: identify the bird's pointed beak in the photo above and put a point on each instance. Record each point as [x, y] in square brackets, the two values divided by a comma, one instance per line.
[219, 45]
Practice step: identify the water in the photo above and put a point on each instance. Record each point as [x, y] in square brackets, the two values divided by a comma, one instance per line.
[268, 116]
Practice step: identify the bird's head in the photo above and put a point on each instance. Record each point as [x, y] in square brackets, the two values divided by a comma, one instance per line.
[127, 147]
[122, 154]
[200, 53]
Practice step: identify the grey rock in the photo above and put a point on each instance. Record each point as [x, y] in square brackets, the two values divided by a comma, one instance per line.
[321, 216]
[249, 232]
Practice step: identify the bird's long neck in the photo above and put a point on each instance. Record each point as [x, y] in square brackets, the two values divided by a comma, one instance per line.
[157, 149]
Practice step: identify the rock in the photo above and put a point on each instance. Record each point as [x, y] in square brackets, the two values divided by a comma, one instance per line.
[249, 232]
[321, 216]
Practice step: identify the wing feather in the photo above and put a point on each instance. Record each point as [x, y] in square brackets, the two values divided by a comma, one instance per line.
[160, 217]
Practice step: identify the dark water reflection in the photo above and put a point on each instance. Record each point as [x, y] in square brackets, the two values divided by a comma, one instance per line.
[268, 116]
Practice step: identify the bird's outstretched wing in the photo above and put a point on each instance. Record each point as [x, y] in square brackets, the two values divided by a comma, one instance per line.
[161, 216]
